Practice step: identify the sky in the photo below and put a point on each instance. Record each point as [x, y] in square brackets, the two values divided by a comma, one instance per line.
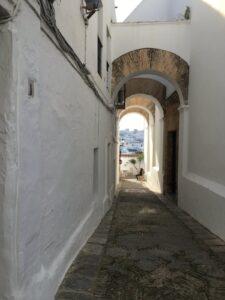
[132, 121]
[125, 7]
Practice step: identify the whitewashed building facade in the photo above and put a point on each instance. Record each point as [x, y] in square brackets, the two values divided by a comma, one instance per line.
[58, 124]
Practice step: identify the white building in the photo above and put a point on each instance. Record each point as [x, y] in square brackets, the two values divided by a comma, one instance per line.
[56, 136]
[161, 10]
[58, 125]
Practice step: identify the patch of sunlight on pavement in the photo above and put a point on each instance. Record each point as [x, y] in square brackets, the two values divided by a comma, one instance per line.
[135, 191]
[147, 210]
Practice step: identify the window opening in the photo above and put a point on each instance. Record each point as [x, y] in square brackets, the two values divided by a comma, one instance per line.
[95, 173]
[99, 57]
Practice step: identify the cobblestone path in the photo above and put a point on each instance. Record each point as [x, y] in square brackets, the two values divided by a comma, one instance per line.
[150, 251]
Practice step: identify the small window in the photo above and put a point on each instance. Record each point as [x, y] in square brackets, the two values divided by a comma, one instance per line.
[109, 168]
[30, 87]
[95, 173]
[108, 58]
[107, 71]
[120, 104]
[99, 57]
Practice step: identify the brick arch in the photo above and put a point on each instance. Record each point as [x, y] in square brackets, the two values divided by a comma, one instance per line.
[140, 100]
[149, 60]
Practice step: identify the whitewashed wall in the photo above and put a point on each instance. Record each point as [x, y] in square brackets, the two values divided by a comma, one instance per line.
[177, 8]
[47, 208]
[83, 39]
[169, 36]
[155, 174]
[8, 164]
[160, 10]
[126, 168]
[202, 187]
[47, 141]
[71, 23]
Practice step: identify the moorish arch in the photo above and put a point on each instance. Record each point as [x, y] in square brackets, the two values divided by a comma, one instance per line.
[147, 115]
[135, 109]
[138, 102]
[150, 108]
[151, 61]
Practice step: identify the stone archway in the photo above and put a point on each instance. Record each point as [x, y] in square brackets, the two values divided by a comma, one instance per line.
[135, 109]
[155, 61]
[150, 108]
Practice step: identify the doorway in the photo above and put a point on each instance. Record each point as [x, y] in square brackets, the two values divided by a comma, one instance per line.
[172, 162]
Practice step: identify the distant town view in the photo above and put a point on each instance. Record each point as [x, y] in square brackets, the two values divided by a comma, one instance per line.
[131, 141]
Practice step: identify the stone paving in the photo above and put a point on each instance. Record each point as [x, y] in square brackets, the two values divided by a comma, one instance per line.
[146, 248]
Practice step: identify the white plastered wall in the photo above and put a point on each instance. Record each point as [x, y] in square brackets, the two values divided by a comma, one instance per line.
[160, 10]
[202, 186]
[83, 39]
[155, 174]
[47, 209]
[177, 8]
[146, 146]
[153, 144]
[8, 163]
[144, 164]
[170, 36]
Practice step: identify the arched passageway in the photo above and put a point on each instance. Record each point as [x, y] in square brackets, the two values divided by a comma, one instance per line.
[133, 136]
[154, 61]
[144, 76]
[150, 108]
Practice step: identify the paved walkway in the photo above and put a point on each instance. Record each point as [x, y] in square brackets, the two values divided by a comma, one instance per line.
[147, 249]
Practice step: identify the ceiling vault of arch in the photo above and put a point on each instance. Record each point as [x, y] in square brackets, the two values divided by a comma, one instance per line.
[141, 103]
[146, 86]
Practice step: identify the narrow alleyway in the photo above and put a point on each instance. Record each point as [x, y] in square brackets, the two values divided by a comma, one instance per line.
[147, 248]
